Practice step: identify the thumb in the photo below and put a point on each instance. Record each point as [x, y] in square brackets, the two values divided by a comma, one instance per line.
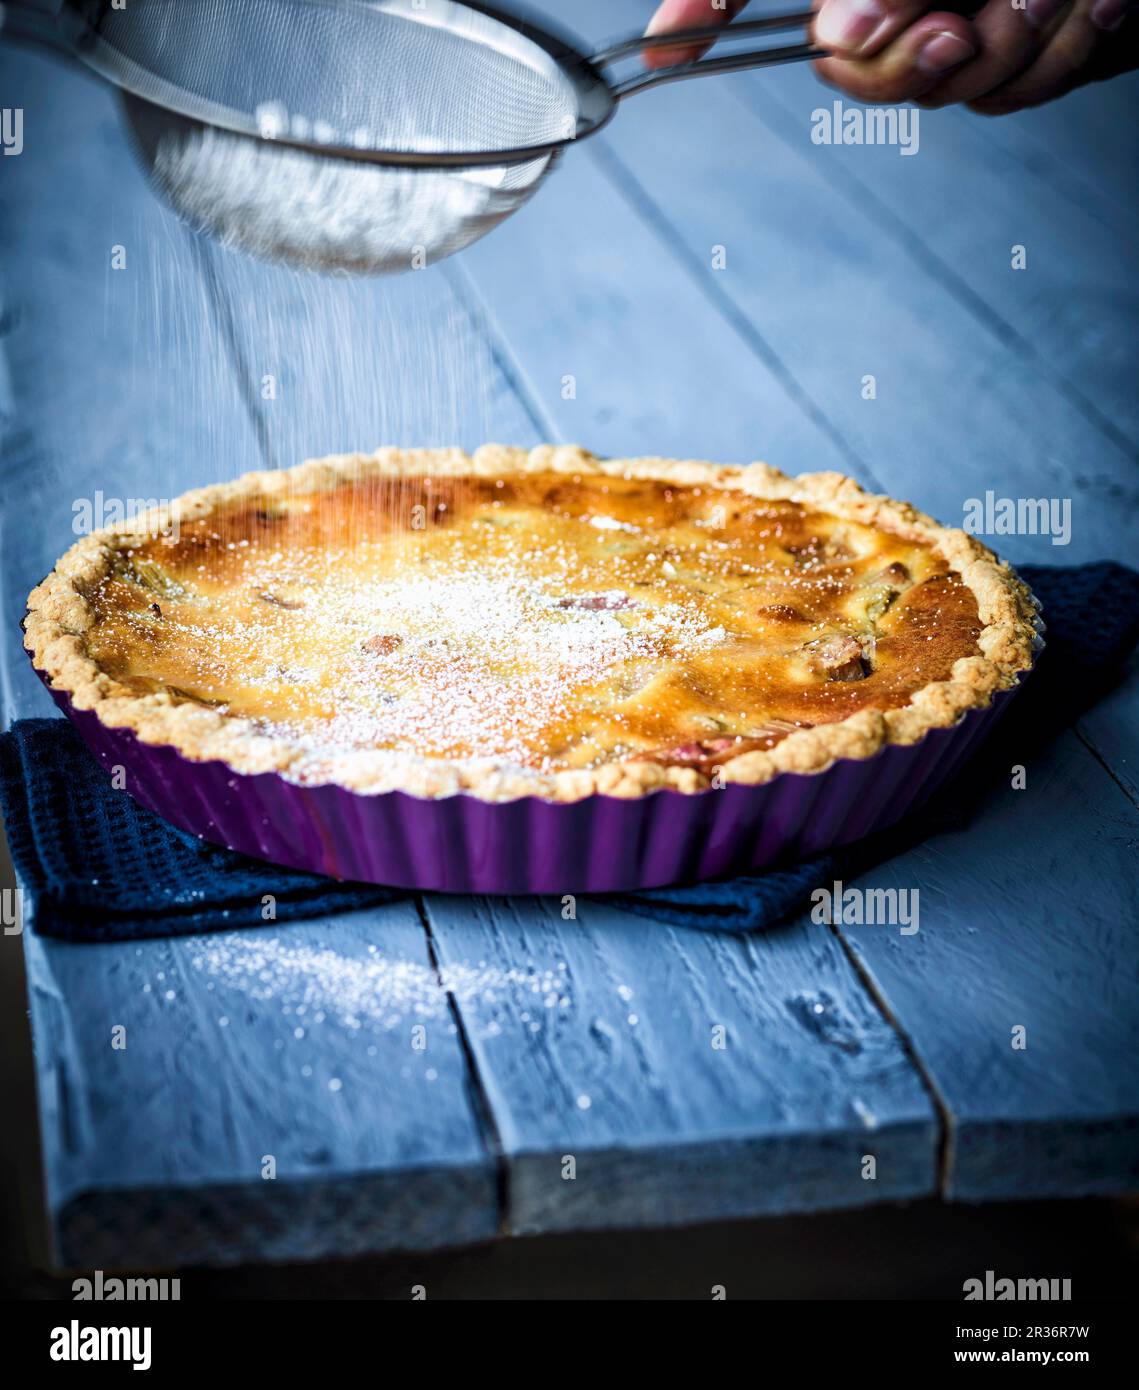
[687, 14]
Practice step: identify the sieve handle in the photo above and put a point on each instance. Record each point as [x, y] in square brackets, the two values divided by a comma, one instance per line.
[728, 62]
[702, 67]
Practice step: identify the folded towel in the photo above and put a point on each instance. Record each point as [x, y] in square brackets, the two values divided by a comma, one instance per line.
[99, 867]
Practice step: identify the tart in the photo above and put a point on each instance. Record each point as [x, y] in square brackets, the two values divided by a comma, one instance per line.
[516, 624]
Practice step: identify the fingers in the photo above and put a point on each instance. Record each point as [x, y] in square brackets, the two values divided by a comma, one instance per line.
[1004, 58]
[1061, 64]
[1010, 41]
[915, 62]
[686, 14]
[862, 27]
[1108, 15]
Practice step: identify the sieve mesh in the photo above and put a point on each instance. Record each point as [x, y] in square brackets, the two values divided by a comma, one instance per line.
[200, 77]
[379, 76]
[370, 135]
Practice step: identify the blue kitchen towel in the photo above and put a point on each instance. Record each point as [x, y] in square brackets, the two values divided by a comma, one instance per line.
[99, 867]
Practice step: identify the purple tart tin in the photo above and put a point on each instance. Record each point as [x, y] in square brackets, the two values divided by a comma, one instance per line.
[459, 844]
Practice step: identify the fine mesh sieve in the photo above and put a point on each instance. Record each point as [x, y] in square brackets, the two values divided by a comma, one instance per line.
[343, 134]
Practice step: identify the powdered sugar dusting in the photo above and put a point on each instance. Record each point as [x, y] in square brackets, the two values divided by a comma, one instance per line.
[320, 987]
[482, 625]
[482, 660]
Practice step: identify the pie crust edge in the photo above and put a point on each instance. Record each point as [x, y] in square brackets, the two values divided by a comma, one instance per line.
[59, 615]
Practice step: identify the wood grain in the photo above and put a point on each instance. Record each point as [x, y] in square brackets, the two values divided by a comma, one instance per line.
[1086, 145]
[295, 1044]
[687, 1075]
[1027, 920]
[1054, 318]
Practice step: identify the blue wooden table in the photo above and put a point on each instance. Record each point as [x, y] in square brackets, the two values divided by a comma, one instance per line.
[592, 1040]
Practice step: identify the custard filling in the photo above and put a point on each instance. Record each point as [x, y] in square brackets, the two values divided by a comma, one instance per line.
[545, 620]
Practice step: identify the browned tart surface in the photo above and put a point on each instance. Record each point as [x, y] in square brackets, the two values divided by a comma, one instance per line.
[544, 620]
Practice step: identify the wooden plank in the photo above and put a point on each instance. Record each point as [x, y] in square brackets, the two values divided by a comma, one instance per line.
[1066, 317]
[1109, 729]
[1030, 138]
[1087, 144]
[1039, 933]
[954, 410]
[617, 347]
[596, 1041]
[124, 381]
[295, 1044]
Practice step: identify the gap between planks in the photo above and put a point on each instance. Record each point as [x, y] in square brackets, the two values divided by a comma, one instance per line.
[943, 1161]
[480, 1101]
[466, 294]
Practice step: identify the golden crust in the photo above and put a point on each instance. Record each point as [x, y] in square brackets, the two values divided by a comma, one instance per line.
[59, 615]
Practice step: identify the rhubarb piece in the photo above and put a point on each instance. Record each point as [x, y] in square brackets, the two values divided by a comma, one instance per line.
[596, 603]
[707, 754]
[383, 645]
[838, 658]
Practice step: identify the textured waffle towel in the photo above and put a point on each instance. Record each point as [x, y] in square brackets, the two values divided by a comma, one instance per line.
[98, 867]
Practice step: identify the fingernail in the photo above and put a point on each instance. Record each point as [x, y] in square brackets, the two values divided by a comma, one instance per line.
[942, 53]
[1040, 12]
[847, 24]
[1109, 14]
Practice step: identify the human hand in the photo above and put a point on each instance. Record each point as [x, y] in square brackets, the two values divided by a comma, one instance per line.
[1000, 60]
